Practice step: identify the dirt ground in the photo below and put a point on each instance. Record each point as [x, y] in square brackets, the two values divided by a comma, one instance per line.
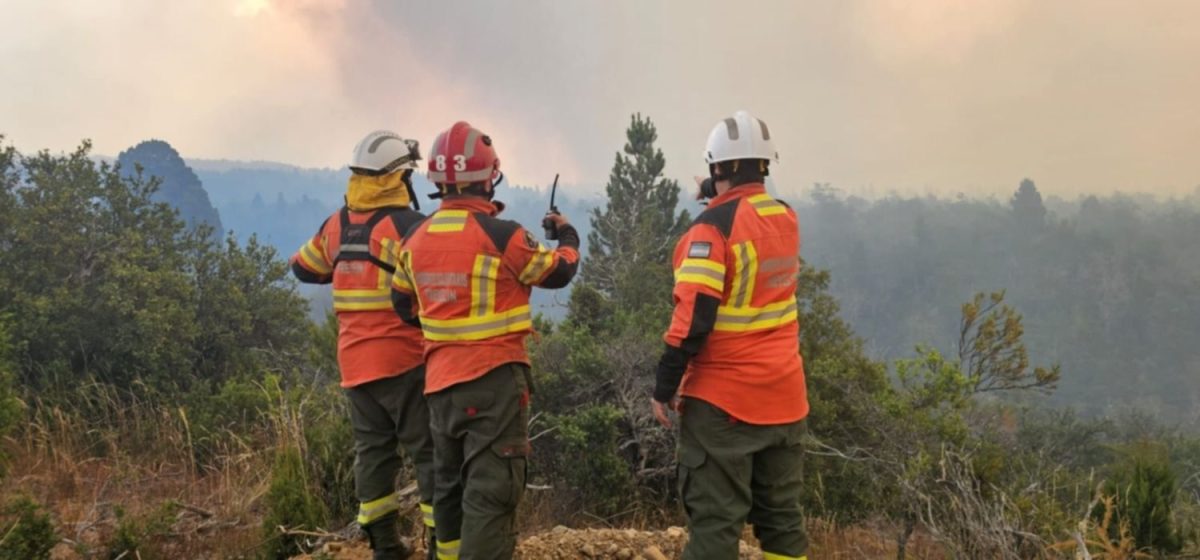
[561, 543]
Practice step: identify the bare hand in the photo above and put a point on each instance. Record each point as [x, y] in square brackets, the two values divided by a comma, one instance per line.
[660, 411]
[558, 219]
[699, 192]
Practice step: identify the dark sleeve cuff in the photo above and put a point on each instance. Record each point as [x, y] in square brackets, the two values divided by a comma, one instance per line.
[671, 368]
[568, 236]
[403, 304]
[561, 275]
[309, 277]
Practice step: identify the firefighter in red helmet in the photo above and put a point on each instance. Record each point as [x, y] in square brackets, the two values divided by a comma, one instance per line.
[465, 277]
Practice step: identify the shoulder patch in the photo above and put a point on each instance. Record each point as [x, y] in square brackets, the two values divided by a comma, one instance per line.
[530, 241]
[699, 250]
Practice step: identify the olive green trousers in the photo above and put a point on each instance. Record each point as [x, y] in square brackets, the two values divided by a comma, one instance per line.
[731, 473]
[385, 415]
[481, 442]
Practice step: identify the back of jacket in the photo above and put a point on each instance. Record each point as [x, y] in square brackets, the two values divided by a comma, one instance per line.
[355, 251]
[471, 275]
[735, 308]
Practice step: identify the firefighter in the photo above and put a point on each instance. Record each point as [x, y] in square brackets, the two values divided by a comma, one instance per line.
[465, 276]
[379, 355]
[732, 365]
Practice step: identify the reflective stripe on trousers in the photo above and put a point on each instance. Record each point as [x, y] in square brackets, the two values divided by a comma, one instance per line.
[427, 514]
[773, 556]
[370, 511]
[448, 550]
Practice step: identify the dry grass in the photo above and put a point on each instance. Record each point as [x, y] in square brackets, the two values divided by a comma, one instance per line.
[142, 471]
[137, 458]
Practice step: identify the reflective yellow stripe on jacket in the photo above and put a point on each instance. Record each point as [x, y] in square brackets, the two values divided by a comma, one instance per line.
[314, 259]
[483, 285]
[764, 205]
[703, 272]
[741, 319]
[374, 299]
[362, 300]
[538, 266]
[745, 269]
[478, 327]
[448, 221]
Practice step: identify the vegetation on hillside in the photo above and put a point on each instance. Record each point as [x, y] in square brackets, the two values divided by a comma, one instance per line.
[159, 387]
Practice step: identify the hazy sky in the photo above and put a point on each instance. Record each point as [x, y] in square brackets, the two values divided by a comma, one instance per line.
[916, 95]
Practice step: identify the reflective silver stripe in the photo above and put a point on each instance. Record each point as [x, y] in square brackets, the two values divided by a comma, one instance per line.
[481, 284]
[469, 149]
[314, 258]
[472, 176]
[732, 128]
[370, 511]
[360, 247]
[362, 299]
[448, 550]
[486, 325]
[701, 271]
[761, 316]
[744, 262]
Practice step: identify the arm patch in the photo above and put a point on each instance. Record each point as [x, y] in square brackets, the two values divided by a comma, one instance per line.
[699, 250]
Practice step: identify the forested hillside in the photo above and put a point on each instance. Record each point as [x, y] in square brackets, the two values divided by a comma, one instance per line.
[1109, 286]
[282, 206]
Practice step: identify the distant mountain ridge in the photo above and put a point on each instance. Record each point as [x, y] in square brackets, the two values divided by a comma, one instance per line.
[202, 164]
[180, 186]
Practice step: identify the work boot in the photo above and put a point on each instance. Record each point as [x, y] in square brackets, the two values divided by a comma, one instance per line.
[385, 543]
[430, 545]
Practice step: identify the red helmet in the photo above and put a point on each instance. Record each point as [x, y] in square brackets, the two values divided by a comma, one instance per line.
[462, 155]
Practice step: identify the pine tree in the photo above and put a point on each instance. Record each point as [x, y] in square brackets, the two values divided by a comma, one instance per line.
[1027, 206]
[633, 237]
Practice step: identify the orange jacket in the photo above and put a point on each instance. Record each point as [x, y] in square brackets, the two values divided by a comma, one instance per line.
[356, 252]
[734, 337]
[472, 274]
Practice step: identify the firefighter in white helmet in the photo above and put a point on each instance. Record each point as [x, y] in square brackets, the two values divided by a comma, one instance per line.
[379, 355]
[732, 364]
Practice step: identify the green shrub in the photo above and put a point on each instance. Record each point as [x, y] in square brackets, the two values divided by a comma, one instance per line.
[1145, 487]
[26, 532]
[135, 535]
[292, 502]
[329, 440]
[10, 405]
[589, 460]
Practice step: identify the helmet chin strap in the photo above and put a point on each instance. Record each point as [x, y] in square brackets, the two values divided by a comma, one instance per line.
[412, 194]
[708, 188]
[495, 183]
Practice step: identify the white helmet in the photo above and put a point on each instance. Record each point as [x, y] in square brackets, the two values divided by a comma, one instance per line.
[384, 151]
[740, 137]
